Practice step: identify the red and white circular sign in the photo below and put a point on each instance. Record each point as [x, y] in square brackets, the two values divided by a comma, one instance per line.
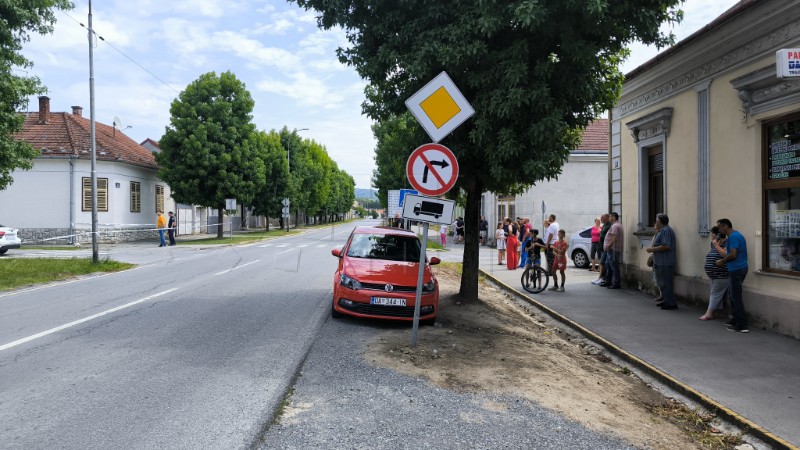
[432, 169]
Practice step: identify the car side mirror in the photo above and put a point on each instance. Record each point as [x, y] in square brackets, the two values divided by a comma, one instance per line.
[434, 261]
[337, 252]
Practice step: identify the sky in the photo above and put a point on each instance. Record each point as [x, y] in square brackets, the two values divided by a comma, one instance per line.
[152, 49]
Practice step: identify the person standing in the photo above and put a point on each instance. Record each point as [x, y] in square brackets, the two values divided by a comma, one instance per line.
[161, 224]
[483, 230]
[443, 234]
[500, 239]
[603, 263]
[718, 276]
[597, 247]
[736, 262]
[525, 238]
[398, 221]
[663, 250]
[512, 242]
[614, 244]
[550, 238]
[560, 249]
[171, 227]
[459, 231]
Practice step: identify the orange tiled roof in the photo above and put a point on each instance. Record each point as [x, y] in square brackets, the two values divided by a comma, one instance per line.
[66, 134]
[595, 137]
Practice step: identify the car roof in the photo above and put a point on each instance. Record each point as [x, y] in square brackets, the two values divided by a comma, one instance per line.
[363, 229]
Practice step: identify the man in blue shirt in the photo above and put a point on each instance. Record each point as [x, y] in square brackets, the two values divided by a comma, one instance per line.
[736, 261]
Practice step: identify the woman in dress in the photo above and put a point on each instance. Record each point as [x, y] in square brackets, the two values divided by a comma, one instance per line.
[597, 247]
[718, 275]
[500, 239]
[512, 252]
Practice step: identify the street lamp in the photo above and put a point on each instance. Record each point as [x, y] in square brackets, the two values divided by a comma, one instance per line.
[289, 167]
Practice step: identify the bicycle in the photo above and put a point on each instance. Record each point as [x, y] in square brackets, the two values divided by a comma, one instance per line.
[534, 279]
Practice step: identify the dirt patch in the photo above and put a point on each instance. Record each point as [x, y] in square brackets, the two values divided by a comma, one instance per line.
[496, 345]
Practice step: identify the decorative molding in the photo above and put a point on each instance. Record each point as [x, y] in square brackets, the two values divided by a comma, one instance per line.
[651, 125]
[760, 46]
[761, 90]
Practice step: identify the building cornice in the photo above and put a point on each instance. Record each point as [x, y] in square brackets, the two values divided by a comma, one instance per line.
[651, 125]
[734, 52]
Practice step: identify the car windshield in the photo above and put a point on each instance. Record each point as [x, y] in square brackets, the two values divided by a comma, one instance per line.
[380, 246]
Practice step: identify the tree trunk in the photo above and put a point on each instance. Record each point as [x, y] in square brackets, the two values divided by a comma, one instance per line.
[220, 218]
[267, 225]
[469, 270]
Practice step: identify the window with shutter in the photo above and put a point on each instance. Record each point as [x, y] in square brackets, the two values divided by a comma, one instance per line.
[102, 194]
[136, 196]
[159, 198]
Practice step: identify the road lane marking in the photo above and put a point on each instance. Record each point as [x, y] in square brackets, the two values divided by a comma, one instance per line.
[282, 245]
[85, 319]
[237, 267]
[265, 246]
[61, 283]
[322, 245]
[302, 245]
[287, 251]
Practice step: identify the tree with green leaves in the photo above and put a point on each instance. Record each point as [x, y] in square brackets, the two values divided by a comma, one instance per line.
[267, 201]
[18, 20]
[396, 137]
[208, 152]
[535, 72]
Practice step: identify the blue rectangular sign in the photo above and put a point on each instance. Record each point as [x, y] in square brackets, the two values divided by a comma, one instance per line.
[403, 193]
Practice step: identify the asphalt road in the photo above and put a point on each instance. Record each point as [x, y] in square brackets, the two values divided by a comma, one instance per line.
[193, 349]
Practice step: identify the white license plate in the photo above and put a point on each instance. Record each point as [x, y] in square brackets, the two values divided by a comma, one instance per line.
[388, 301]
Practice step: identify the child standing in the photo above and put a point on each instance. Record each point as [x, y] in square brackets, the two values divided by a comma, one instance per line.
[560, 261]
[443, 234]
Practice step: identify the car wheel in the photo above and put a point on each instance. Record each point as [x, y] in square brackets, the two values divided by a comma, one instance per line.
[3, 251]
[581, 259]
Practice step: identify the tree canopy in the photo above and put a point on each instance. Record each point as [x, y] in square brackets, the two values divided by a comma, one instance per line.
[19, 20]
[536, 73]
[208, 152]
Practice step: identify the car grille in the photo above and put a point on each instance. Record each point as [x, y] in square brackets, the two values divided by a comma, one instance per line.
[382, 287]
[381, 310]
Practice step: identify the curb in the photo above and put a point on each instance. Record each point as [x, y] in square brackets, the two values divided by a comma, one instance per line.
[728, 414]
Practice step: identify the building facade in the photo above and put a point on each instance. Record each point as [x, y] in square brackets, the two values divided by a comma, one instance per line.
[706, 130]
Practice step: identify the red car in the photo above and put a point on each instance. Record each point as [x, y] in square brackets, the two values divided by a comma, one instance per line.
[377, 276]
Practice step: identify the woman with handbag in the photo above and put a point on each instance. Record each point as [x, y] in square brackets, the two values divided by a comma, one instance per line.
[717, 275]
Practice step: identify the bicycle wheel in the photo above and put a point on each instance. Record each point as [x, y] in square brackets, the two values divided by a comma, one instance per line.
[534, 280]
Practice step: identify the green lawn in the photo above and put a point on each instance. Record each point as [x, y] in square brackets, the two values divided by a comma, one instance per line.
[16, 272]
[51, 247]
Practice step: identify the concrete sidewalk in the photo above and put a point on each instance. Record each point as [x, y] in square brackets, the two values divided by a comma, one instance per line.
[757, 375]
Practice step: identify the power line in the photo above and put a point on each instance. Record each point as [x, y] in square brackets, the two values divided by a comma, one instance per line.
[124, 54]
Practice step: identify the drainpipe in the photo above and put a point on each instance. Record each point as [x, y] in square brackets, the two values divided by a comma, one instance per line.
[71, 200]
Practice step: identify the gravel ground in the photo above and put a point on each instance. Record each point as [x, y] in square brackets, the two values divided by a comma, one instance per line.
[342, 401]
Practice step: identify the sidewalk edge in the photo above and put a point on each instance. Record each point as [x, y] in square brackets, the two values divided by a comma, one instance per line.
[728, 414]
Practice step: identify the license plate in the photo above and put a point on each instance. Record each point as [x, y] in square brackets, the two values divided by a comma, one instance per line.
[388, 301]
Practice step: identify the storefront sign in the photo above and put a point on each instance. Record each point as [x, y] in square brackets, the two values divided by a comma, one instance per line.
[784, 160]
[787, 62]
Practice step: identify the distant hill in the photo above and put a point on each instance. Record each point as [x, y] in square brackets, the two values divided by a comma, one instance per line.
[369, 194]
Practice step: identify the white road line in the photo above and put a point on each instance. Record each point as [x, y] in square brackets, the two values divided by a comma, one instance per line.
[302, 245]
[265, 246]
[322, 245]
[237, 267]
[59, 283]
[287, 251]
[80, 321]
[282, 245]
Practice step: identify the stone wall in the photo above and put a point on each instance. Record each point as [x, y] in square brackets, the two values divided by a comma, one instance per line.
[62, 236]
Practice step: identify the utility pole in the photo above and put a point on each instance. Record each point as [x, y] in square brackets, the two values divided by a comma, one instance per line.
[95, 250]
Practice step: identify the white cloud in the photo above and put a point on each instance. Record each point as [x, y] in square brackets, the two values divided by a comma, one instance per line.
[305, 89]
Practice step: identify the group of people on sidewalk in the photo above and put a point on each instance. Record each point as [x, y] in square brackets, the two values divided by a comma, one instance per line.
[725, 265]
[169, 226]
[519, 243]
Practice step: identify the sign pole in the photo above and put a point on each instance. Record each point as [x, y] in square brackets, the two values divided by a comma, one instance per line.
[418, 300]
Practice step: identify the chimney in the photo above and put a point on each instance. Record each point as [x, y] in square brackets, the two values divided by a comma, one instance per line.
[44, 109]
[77, 111]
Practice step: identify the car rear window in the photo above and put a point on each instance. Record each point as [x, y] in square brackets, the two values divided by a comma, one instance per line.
[388, 247]
[586, 233]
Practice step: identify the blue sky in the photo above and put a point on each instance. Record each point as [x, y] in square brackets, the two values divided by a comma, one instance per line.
[274, 47]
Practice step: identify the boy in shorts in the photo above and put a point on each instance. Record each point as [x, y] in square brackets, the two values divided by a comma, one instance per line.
[560, 260]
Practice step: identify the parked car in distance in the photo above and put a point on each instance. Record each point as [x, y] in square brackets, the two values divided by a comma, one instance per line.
[580, 247]
[8, 239]
[377, 276]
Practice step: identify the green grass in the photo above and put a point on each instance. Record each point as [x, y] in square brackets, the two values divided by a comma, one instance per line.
[16, 272]
[433, 244]
[50, 247]
[238, 237]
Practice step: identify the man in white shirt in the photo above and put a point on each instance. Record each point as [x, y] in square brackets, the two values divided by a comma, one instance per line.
[550, 238]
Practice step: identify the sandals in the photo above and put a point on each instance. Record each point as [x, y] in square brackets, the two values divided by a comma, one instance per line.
[704, 317]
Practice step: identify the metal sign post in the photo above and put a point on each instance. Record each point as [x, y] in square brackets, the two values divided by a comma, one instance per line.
[418, 298]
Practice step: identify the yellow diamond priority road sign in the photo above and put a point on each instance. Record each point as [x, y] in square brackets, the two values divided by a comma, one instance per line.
[439, 107]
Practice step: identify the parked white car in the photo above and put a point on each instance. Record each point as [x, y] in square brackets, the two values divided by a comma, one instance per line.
[580, 247]
[8, 239]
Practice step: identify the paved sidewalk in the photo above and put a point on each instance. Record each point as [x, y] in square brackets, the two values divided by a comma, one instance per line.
[757, 374]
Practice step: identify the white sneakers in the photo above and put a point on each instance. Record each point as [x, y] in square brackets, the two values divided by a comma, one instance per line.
[597, 281]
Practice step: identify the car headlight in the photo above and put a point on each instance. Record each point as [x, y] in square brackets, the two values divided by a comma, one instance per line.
[349, 283]
[428, 287]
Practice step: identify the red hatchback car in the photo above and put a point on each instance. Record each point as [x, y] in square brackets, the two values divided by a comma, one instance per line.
[377, 276]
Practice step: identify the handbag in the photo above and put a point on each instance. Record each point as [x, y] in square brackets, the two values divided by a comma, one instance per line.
[650, 261]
